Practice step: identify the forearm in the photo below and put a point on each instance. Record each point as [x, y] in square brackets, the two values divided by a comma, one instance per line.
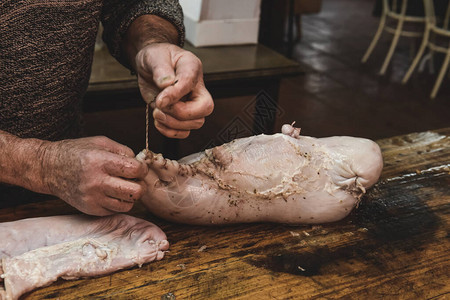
[21, 162]
[145, 30]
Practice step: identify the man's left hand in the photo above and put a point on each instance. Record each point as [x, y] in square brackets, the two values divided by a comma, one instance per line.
[171, 80]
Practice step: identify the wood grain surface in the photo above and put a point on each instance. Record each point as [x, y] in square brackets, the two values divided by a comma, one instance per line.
[394, 246]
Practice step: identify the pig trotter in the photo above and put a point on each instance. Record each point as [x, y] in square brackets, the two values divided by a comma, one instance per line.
[284, 178]
[39, 251]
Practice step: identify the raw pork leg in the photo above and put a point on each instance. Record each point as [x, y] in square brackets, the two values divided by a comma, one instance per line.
[36, 252]
[284, 178]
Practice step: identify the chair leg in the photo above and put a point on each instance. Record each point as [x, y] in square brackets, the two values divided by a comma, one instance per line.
[447, 17]
[431, 63]
[418, 56]
[441, 76]
[298, 21]
[423, 62]
[375, 38]
[393, 46]
[412, 48]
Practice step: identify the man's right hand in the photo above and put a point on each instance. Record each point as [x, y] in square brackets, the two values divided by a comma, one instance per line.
[95, 175]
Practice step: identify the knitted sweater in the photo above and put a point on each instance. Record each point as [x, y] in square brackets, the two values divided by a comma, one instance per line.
[46, 51]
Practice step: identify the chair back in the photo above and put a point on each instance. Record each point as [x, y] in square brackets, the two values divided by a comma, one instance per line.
[429, 12]
[440, 21]
[392, 7]
[447, 16]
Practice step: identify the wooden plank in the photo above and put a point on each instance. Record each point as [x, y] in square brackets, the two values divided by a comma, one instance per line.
[394, 246]
[415, 152]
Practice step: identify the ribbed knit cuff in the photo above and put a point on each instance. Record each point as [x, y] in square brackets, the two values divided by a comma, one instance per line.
[116, 23]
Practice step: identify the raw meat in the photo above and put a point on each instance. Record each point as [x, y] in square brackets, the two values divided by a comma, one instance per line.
[35, 252]
[284, 178]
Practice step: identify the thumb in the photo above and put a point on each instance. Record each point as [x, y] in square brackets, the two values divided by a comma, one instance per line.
[148, 89]
[156, 61]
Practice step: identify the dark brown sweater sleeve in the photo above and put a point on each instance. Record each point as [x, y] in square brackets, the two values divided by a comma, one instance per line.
[117, 15]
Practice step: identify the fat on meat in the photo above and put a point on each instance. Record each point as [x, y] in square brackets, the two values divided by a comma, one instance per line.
[285, 178]
[36, 252]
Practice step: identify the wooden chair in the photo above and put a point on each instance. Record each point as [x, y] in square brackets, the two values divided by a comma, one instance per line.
[392, 12]
[430, 39]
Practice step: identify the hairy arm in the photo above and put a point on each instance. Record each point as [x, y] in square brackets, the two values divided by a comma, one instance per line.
[147, 30]
[20, 162]
[95, 175]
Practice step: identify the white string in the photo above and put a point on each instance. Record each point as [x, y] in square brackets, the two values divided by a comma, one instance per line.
[147, 127]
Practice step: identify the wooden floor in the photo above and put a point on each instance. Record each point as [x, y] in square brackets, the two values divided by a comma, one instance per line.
[337, 95]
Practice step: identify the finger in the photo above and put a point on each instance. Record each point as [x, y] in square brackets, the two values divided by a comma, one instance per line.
[113, 147]
[123, 190]
[125, 167]
[171, 122]
[171, 133]
[97, 210]
[158, 63]
[188, 73]
[116, 205]
[190, 110]
[148, 89]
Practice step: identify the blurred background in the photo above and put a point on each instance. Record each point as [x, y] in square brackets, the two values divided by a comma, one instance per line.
[331, 93]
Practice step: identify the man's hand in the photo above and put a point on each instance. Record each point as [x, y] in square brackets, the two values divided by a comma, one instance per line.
[165, 71]
[95, 175]
[171, 79]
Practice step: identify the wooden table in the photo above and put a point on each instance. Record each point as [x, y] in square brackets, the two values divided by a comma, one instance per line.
[221, 65]
[228, 71]
[394, 246]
